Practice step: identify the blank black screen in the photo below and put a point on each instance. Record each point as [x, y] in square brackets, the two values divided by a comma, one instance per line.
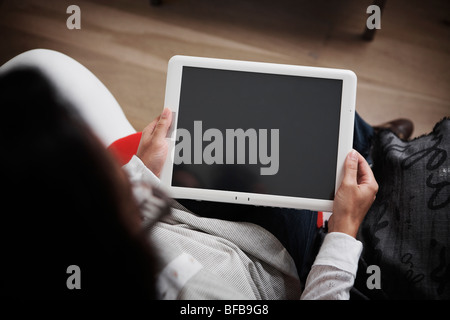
[305, 110]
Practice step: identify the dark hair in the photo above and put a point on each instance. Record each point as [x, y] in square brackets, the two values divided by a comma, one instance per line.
[65, 202]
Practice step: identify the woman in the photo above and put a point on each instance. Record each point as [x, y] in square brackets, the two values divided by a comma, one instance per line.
[66, 202]
[71, 204]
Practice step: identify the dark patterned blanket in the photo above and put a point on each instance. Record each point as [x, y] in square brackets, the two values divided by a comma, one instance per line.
[406, 233]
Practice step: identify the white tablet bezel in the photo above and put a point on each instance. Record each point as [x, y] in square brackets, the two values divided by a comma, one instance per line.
[345, 141]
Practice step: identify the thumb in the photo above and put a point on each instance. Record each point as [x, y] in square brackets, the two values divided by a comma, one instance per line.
[351, 168]
[163, 124]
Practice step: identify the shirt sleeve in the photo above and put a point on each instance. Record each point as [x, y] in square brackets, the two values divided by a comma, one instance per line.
[334, 270]
[137, 171]
[141, 178]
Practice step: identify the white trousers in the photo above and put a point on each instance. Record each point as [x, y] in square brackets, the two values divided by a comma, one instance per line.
[76, 84]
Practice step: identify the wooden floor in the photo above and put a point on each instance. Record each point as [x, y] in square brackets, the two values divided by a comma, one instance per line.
[404, 72]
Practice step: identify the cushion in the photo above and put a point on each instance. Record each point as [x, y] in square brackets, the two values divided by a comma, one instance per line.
[406, 233]
[124, 148]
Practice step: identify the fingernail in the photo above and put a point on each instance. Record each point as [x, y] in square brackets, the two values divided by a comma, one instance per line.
[165, 113]
[353, 155]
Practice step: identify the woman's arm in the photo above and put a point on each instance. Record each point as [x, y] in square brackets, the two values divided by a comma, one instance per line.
[334, 270]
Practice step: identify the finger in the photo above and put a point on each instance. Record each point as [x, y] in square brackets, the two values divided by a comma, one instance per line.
[163, 124]
[365, 174]
[366, 178]
[151, 126]
[351, 168]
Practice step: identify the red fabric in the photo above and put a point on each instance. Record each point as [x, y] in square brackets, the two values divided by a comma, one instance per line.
[319, 219]
[125, 148]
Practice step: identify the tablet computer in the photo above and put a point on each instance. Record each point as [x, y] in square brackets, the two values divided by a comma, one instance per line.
[257, 133]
